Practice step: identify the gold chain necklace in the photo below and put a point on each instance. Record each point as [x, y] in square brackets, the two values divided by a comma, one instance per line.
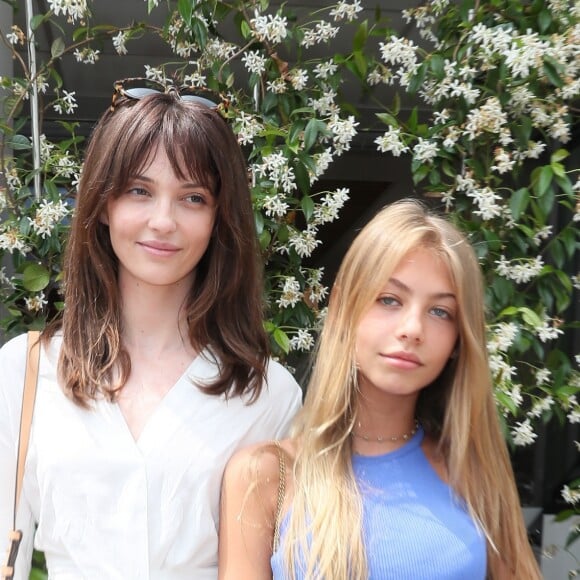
[392, 439]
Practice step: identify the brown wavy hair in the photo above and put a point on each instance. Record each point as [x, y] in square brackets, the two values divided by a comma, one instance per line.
[225, 306]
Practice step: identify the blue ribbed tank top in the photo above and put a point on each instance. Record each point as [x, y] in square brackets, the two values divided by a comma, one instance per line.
[415, 527]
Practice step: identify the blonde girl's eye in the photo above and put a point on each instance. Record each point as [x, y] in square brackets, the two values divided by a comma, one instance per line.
[389, 301]
[442, 313]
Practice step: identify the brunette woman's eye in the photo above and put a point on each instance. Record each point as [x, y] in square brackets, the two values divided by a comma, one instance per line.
[137, 191]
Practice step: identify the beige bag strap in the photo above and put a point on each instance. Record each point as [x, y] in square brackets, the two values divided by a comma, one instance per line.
[281, 493]
[28, 398]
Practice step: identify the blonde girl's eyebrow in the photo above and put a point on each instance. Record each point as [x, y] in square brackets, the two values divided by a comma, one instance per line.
[435, 295]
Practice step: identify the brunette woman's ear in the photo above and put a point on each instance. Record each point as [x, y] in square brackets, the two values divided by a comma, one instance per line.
[104, 217]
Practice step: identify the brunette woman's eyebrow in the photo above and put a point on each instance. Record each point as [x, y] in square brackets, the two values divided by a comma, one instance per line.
[405, 288]
[184, 185]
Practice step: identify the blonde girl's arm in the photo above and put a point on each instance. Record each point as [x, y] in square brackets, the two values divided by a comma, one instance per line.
[247, 514]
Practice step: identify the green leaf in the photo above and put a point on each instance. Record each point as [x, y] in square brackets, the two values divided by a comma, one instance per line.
[311, 133]
[530, 317]
[259, 221]
[282, 340]
[437, 64]
[37, 20]
[544, 178]
[57, 48]
[544, 20]
[360, 37]
[35, 277]
[546, 202]
[388, 119]
[150, 5]
[307, 207]
[418, 78]
[558, 169]
[559, 155]
[519, 202]
[552, 73]
[19, 143]
[420, 174]
[185, 8]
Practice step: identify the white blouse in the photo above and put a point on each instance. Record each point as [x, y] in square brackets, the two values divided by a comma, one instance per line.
[108, 507]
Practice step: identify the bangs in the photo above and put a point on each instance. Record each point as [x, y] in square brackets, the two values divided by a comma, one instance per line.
[188, 145]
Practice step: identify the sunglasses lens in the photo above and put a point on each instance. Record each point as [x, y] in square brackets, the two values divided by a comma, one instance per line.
[139, 93]
[200, 100]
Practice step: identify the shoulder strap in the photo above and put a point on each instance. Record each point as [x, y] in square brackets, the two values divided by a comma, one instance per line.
[28, 397]
[281, 493]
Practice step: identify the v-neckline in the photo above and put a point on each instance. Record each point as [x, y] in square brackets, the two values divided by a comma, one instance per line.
[143, 441]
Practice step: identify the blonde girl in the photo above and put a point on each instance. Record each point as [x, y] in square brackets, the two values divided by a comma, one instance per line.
[397, 467]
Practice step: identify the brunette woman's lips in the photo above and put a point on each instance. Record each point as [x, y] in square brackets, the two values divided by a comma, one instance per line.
[403, 360]
[159, 248]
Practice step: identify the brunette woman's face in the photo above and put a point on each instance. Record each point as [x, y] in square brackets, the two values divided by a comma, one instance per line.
[408, 334]
[160, 226]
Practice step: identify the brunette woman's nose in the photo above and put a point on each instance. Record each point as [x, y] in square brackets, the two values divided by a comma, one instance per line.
[162, 218]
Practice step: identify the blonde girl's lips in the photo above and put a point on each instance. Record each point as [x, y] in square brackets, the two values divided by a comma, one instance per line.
[403, 360]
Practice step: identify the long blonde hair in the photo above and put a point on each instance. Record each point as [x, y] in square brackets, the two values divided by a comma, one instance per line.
[457, 409]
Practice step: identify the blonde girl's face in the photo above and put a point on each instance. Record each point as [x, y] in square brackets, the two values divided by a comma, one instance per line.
[160, 226]
[408, 334]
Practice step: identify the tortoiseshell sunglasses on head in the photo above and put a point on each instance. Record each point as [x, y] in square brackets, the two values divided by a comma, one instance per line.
[137, 88]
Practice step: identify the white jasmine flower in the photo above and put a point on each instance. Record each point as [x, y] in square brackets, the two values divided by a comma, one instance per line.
[277, 86]
[574, 415]
[503, 161]
[36, 303]
[346, 10]
[66, 103]
[74, 9]
[119, 42]
[247, 128]
[291, 293]
[542, 234]
[523, 433]
[425, 150]
[87, 55]
[344, 130]
[298, 78]
[302, 340]
[548, 329]
[542, 376]
[12, 241]
[391, 142]
[571, 496]
[47, 215]
[275, 206]
[254, 62]
[540, 407]
[322, 32]
[503, 337]
[154, 73]
[272, 28]
[305, 242]
[521, 271]
[325, 69]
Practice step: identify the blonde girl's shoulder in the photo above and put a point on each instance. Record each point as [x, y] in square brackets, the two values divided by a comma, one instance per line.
[258, 467]
[254, 490]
